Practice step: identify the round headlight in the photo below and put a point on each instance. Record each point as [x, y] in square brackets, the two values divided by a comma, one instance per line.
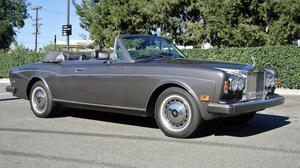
[236, 84]
[233, 84]
[270, 81]
[240, 84]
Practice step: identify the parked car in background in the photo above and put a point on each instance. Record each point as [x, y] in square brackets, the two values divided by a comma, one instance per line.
[147, 76]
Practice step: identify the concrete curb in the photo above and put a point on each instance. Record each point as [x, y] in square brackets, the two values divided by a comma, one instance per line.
[4, 80]
[7, 96]
[288, 92]
[281, 91]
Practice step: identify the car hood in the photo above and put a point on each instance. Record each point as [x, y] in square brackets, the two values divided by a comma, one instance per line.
[224, 66]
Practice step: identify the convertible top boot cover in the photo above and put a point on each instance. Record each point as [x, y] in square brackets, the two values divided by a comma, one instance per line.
[54, 56]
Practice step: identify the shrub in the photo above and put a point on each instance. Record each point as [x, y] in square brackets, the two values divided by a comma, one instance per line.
[284, 59]
[15, 58]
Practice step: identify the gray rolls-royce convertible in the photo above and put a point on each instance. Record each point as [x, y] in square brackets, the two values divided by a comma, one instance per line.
[147, 76]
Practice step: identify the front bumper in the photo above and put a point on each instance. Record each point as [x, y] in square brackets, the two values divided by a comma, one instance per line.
[11, 89]
[246, 106]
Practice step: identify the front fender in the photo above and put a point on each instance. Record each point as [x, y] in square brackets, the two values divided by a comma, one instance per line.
[34, 79]
[196, 87]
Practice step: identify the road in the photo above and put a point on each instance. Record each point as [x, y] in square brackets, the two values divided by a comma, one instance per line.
[82, 138]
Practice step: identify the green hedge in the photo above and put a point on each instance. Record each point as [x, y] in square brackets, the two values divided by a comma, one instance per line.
[16, 58]
[284, 59]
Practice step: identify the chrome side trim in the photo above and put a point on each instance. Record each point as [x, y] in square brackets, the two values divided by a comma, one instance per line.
[120, 74]
[100, 105]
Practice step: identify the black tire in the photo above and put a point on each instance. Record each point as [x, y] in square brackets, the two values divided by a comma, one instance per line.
[178, 123]
[41, 101]
[241, 119]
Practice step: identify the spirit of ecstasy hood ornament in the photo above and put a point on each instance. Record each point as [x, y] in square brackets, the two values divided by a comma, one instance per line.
[253, 61]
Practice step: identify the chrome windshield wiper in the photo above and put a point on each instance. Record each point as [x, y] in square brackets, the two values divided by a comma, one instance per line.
[167, 54]
[149, 57]
[158, 56]
[141, 57]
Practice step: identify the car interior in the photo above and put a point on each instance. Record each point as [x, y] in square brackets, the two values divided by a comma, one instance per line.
[58, 56]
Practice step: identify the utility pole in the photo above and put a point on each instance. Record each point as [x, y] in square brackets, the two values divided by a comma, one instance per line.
[36, 25]
[54, 41]
[67, 29]
[68, 23]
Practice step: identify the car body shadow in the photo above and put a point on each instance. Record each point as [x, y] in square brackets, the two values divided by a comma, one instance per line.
[10, 98]
[259, 124]
[148, 122]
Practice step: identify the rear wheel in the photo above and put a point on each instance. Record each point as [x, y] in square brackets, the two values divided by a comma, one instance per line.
[41, 100]
[176, 113]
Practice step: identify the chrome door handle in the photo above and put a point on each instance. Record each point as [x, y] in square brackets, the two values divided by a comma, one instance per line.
[79, 69]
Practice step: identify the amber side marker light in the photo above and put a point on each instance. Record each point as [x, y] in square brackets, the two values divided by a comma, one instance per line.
[277, 82]
[204, 98]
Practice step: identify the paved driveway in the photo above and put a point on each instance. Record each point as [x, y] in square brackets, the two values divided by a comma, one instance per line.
[82, 138]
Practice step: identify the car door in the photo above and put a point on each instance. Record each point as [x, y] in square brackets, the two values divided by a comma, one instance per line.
[99, 82]
[61, 83]
[96, 82]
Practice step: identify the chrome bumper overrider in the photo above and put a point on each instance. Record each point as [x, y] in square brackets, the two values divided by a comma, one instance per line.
[245, 106]
[11, 89]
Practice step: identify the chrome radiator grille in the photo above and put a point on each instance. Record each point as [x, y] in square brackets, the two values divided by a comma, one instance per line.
[255, 85]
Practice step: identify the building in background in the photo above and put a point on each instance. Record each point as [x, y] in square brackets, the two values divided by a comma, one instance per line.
[77, 45]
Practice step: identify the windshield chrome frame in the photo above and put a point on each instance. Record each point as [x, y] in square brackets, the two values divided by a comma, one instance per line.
[130, 59]
[118, 41]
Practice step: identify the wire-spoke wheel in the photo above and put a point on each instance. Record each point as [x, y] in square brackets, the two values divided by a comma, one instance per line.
[41, 100]
[177, 114]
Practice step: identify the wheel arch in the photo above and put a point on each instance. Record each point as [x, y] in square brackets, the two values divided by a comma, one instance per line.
[163, 86]
[32, 81]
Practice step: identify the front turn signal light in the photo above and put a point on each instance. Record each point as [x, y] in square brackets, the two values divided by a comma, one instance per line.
[204, 98]
[226, 86]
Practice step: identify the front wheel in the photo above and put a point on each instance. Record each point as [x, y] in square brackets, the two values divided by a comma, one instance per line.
[176, 113]
[41, 100]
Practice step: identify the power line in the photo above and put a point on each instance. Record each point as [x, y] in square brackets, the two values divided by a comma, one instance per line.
[56, 27]
[58, 13]
[30, 42]
[36, 25]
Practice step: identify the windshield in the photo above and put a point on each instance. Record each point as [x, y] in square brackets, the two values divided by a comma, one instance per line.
[143, 47]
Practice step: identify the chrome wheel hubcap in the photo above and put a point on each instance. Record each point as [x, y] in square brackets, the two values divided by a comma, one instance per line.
[175, 113]
[39, 100]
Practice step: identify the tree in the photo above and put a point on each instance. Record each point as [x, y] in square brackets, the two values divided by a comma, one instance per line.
[12, 15]
[246, 23]
[106, 19]
[238, 23]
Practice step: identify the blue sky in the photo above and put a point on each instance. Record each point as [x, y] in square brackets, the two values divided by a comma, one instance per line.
[53, 15]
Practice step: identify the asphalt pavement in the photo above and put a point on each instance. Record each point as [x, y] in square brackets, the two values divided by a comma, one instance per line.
[82, 138]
